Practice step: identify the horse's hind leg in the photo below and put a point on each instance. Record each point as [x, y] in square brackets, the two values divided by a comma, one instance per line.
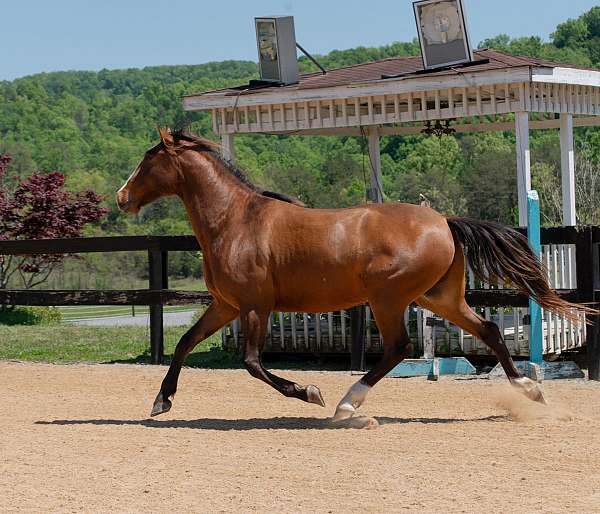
[464, 317]
[446, 298]
[254, 327]
[396, 343]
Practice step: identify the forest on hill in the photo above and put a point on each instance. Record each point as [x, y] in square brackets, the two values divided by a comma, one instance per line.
[95, 126]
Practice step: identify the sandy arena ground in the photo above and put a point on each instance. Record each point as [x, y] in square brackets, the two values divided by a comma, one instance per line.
[77, 438]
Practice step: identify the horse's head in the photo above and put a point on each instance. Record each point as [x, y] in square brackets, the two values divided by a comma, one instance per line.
[157, 175]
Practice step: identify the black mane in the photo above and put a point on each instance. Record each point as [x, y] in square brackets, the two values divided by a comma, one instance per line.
[236, 171]
[213, 149]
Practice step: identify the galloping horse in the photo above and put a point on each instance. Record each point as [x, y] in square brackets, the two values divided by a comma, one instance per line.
[262, 254]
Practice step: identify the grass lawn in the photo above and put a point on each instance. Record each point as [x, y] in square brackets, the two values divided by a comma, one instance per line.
[79, 312]
[66, 343]
[69, 343]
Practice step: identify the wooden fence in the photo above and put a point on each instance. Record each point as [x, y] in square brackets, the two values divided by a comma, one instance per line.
[156, 296]
[571, 254]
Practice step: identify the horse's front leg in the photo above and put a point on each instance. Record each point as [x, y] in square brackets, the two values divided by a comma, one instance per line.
[254, 326]
[390, 320]
[217, 315]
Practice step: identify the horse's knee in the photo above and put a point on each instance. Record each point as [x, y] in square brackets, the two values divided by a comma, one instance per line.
[186, 344]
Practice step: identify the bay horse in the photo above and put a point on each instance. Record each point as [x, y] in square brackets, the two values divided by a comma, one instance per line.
[262, 254]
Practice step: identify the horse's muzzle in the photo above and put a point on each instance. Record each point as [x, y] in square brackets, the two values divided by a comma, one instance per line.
[125, 202]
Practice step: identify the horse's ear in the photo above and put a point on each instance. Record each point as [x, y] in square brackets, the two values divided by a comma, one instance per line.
[166, 137]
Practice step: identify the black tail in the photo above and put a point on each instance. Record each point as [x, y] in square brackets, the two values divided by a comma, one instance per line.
[496, 252]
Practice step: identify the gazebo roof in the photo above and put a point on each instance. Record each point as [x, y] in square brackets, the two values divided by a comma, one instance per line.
[400, 67]
[398, 90]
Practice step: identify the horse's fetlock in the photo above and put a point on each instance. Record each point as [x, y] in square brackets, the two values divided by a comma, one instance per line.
[252, 365]
[290, 391]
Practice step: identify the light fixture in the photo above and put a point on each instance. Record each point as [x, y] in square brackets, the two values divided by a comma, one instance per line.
[276, 42]
[438, 129]
[442, 32]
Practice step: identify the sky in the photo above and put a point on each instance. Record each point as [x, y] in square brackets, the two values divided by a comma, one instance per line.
[52, 35]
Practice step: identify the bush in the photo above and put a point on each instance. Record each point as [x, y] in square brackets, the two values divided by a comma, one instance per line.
[31, 316]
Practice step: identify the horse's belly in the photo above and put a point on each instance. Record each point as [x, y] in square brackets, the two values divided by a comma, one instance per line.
[319, 292]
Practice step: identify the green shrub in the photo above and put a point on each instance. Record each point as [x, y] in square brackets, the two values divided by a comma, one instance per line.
[31, 316]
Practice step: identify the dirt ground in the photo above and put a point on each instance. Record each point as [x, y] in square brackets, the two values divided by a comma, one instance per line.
[76, 438]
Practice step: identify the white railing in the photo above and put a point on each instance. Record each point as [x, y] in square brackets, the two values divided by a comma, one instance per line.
[559, 333]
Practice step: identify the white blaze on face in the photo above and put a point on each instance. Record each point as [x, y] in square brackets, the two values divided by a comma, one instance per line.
[131, 177]
[123, 193]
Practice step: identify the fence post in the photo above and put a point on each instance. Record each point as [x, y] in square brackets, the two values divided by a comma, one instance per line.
[585, 286]
[357, 333]
[584, 255]
[593, 345]
[593, 338]
[536, 348]
[157, 261]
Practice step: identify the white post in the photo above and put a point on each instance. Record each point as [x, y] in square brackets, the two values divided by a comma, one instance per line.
[375, 158]
[567, 167]
[428, 341]
[523, 164]
[228, 152]
[228, 147]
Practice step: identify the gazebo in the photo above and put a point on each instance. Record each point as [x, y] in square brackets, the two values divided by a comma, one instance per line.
[397, 96]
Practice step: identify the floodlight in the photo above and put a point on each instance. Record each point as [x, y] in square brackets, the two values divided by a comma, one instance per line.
[276, 42]
[442, 32]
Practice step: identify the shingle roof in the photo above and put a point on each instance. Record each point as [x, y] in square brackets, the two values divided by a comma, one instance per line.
[402, 66]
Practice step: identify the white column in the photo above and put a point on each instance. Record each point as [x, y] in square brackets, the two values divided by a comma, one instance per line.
[567, 167]
[375, 159]
[523, 164]
[228, 152]
[228, 147]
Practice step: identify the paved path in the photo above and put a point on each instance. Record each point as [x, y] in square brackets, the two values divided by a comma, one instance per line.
[170, 319]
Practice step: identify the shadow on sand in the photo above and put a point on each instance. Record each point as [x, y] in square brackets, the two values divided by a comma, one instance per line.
[218, 358]
[276, 423]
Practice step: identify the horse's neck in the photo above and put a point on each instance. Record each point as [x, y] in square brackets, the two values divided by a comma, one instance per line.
[213, 197]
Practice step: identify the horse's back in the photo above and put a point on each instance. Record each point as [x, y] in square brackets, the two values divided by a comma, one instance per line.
[369, 225]
[319, 255]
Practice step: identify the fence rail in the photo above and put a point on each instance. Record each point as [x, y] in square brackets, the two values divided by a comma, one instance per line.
[346, 332]
[104, 297]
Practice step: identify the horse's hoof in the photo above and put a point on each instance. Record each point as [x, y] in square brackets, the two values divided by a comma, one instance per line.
[530, 389]
[344, 411]
[313, 395]
[536, 395]
[161, 405]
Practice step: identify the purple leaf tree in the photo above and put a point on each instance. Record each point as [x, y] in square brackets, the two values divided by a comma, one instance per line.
[39, 207]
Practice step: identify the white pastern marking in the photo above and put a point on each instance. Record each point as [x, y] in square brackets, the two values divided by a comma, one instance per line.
[352, 400]
[524, 381]
[357, 393]
[526, 384]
